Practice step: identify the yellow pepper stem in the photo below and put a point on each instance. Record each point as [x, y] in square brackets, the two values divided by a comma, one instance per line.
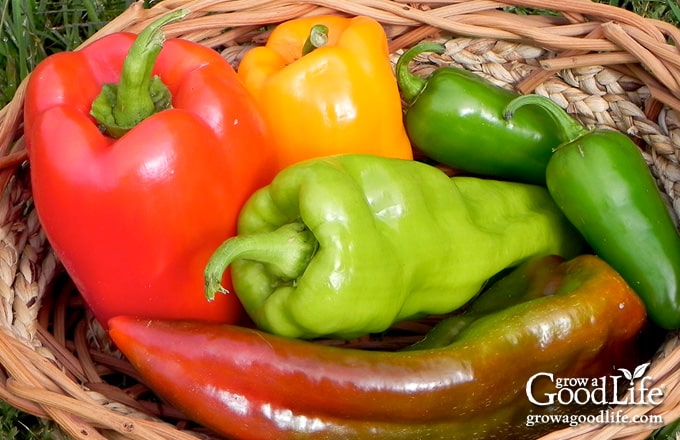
[318, 36]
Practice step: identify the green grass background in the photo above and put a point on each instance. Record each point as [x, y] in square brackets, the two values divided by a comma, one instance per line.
[30, 30]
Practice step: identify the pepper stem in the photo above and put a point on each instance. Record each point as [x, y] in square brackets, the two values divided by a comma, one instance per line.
[318, 36]
[288, 250]
[569, 127]
[120, 107]
[411, 85]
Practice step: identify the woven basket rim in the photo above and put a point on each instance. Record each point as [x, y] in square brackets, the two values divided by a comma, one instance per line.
[56, 376]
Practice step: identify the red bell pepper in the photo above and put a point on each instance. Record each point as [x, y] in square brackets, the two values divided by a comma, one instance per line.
[136, 191]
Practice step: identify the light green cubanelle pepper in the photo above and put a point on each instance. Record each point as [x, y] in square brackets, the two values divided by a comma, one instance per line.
[350, 244]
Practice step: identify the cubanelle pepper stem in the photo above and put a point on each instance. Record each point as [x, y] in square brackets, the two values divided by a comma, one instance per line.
[286, 250]
[138, 95]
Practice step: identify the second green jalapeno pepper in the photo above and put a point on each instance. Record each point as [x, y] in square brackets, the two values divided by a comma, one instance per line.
[347, 245]
[456, 118]
[601, 182]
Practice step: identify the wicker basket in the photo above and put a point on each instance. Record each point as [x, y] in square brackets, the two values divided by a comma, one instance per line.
[607, 66]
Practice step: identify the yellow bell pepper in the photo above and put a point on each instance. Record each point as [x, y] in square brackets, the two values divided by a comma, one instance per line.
[339, 97]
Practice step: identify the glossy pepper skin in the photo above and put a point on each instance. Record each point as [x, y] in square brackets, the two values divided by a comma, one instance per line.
[247, 384]
[534, 278]
[347, 245]
[456, 118]
[340, 97]
[603, 185]
[126, 210]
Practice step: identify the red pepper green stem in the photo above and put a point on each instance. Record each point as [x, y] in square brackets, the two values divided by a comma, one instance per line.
[138, 95]
[570, 128]
[286, 250]
[318, 36]
[410, 84]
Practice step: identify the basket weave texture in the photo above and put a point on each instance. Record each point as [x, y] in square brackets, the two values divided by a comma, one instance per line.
[608, 67]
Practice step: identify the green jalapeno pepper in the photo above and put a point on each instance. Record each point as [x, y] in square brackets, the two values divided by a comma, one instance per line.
[581, 321]
[601, 182]
[347, 245]
[456, 118]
